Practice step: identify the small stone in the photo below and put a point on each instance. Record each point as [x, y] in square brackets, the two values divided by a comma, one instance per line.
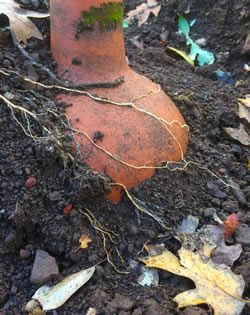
[13, 290]
[130, 248]
[188, 225]
[9, 96]
[242, 235]
[54, 196]
[26, 196]
[76, 256]
[222, 171]
[230, 205]
[247, 178]
[93, 258]
[31, 182]
[148, 277]
[237, 192]
[215, 191]
[6, 63]
[246, 46]
[151, 234]
[122, 302]
[99, 271]
[137, 311]
[44, 268]
[134, 265]
[27, 170]
[209, 212]
[24, 253]
[153, 307]
[4, 88]
[216, 202]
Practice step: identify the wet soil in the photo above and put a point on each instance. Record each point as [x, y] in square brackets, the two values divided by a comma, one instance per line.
[32, 213]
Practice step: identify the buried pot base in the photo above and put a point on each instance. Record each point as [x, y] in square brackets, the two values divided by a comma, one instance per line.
[139, 138]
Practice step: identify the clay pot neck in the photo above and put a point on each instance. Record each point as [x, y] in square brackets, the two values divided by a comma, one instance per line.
[87, 40]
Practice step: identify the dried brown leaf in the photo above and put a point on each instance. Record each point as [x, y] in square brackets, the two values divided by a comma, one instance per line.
[218, 287]
[239, 134]
[22, 27]
[142, 12]
[244, 111]
[245, 101]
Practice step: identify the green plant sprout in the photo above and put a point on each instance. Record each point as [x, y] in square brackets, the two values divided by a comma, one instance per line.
[203, 56]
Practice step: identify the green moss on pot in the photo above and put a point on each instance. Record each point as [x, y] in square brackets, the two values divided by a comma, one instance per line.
[108, 16]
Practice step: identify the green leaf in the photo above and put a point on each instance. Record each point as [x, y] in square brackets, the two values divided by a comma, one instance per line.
[125, 24]
[183, 26]
[204, 56]
[183, 54]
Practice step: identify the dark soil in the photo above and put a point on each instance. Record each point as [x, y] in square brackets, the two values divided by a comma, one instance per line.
[33, 218]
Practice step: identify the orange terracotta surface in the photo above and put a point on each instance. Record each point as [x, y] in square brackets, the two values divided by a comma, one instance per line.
[135, 137]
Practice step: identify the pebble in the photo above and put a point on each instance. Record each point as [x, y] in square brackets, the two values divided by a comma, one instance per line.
[247, 178]
[31, 182]
[122, 302]
[13, 290]
[27, 170]
[6, 63]
[209, 212]
[188, 225]
[24, 253]
[76, 256]
[148, 277]
[9, 96]
[230, 206]
[246, 47]
[137, 311]
[151, 234]
[99, 271]
[215, 191]
[242, 235]
[4, 88]
[130, 248]
[93, 258]
[216, 202]
[237, 192]
[44, 268]
[54, 196]
[153, 307]
[134, 265]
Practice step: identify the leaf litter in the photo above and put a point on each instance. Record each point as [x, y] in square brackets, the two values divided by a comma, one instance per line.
[239, 134]
[142, 12]
[207, 265]
[51, 298]
[215, 285]
[21, 26]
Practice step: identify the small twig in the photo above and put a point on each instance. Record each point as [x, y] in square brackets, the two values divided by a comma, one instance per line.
[86, 86]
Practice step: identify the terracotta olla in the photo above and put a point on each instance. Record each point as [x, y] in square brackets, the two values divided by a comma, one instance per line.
[87, 44]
